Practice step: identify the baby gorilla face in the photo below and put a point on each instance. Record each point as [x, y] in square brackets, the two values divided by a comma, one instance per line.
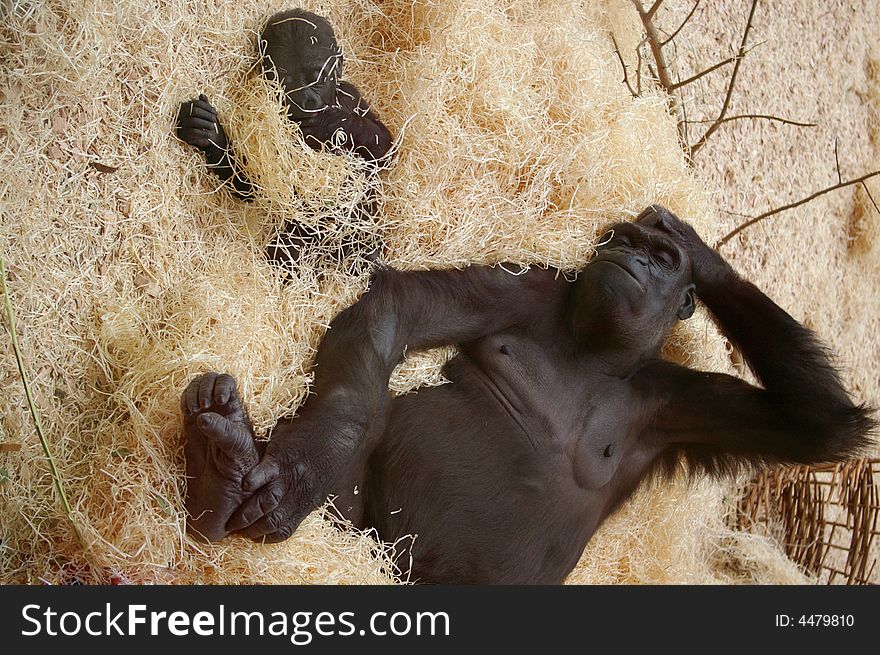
[299, 49]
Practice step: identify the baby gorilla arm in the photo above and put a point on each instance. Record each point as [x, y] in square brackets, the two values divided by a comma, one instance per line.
[198, 125]
[401, 311]
[803, 414]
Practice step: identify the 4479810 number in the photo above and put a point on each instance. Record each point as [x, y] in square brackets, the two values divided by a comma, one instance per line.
[816, 620]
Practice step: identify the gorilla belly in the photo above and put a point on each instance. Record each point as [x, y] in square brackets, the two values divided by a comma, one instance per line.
[471, 496]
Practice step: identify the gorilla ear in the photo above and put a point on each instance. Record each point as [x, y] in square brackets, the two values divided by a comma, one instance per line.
[687, 307]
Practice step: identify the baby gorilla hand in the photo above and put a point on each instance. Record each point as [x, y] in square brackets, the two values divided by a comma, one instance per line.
[220, 450]
[708, 268]
[198, 125]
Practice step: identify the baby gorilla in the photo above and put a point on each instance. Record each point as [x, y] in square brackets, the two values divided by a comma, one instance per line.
[559, 407]
[298, 49]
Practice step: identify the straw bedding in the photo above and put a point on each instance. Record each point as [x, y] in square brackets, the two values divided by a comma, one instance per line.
[130, 271]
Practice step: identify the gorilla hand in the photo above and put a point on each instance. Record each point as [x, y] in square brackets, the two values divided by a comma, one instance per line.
[198, 125]
[708, 268]
[220, 450]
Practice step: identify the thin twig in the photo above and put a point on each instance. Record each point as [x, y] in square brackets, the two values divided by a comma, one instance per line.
[623, 66]
[733, 213]
[694, 78]
[683, 23]
[639, 70]
[56, 475]
[837, 162]
[727, 237]
[870, 197]
[653, 10]
[683, 126]
[731, 83]
[768, 117]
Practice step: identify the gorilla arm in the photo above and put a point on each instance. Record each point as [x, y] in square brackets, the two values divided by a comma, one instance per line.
[401, 311]
[351, 126]
[802, 414]
[198, 125]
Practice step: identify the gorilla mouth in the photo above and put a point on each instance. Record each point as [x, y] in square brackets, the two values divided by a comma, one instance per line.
[624, 269]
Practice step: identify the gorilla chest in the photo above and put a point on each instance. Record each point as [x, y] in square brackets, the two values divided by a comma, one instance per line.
[581, 423]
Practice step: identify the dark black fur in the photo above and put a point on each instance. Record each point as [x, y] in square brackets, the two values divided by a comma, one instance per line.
[298, 49]
[559, 406]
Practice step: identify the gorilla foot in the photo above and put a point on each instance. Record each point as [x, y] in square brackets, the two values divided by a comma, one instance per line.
[220, 450]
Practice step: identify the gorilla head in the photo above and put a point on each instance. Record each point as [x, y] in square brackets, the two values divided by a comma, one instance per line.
[634, 289]
[299, 49]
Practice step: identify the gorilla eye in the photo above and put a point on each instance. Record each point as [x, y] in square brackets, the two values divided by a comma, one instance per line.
[609, 450]
[664, 257]
[605, 238]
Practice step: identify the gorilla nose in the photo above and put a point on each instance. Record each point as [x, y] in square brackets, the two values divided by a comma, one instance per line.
[305, 100]
[311, 101]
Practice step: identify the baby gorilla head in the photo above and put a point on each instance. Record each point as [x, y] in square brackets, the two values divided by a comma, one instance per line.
[298, 49]
[634, 289]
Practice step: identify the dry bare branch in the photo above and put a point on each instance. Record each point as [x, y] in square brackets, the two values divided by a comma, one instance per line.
[639, 70]
[840, 185]
[692, 150]
[654, 42]
[870, 197]
[653, 10]
[623, 66]
[694, 78]
[769, 117]
[683, 23]
[837, 163]
[663, 75]
[684, 123]
[653, 39]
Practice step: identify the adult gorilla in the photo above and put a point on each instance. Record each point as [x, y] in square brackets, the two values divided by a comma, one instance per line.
[559, 407]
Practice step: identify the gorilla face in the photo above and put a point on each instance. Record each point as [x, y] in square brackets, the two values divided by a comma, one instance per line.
[634, 289]
[299, 49]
